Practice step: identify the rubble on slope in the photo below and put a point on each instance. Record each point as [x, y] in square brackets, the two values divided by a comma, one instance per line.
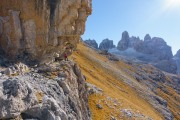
[56, 92]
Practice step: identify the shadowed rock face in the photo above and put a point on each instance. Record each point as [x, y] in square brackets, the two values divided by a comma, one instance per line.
[167, 65]
[147, 37]
[106, 44]
[39, 28]
[124, 42]
[178, 54]
[150, 50]
[177, 60]
[155, 46]
[92, 43]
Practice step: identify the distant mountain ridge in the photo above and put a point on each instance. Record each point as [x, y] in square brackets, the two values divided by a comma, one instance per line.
[153, 50]
[106, 44]
[155, 46]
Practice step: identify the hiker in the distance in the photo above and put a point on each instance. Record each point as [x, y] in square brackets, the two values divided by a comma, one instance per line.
[65, 57]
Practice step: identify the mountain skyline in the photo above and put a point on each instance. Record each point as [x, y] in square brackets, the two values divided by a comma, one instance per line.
[136, 37]
[156, 17]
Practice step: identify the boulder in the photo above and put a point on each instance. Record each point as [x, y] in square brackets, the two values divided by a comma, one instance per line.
[113, 57]
[92, 89]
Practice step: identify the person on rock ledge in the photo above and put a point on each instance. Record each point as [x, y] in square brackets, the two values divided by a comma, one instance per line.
[65, 57]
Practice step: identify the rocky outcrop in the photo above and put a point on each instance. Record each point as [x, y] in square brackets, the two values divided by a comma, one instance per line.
[16, 96]
[167, 65]
[106, 44]
[37, 29]
[124, 42]
[150, 50]
[177, 60]
[16, 69]
[156, 47]
[129, 42]
[155, 80]
[177, 54]
[147, 38]
[92, 43]
[49, 92]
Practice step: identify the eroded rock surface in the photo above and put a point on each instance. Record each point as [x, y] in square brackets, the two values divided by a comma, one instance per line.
[38, 28]
[50, 92]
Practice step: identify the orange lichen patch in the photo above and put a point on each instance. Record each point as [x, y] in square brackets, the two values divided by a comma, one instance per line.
[172, 99]
[39, 96]
[106, 75]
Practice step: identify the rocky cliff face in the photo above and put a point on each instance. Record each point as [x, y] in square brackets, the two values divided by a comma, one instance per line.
[177, 54]
[167, 65]
[156, 47]
[124, 42]
[92, 43]
[39, 28]
[50, 92]
[150, 50]
[106, 44]
[177, 60]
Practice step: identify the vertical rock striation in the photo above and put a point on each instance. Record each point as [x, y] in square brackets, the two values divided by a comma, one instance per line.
[38, 28]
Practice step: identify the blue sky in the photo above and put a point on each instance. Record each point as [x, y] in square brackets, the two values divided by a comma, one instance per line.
[159, 18]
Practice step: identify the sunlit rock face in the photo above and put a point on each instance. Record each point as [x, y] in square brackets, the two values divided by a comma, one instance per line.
[39, 28]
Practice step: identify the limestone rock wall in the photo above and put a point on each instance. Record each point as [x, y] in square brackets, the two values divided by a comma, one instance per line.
[38, 28]
[56, 91]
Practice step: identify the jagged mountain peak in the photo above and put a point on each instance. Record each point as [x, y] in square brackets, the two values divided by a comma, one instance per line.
[178, 54]
[106, 44]
[91, 43]
[147, 37]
